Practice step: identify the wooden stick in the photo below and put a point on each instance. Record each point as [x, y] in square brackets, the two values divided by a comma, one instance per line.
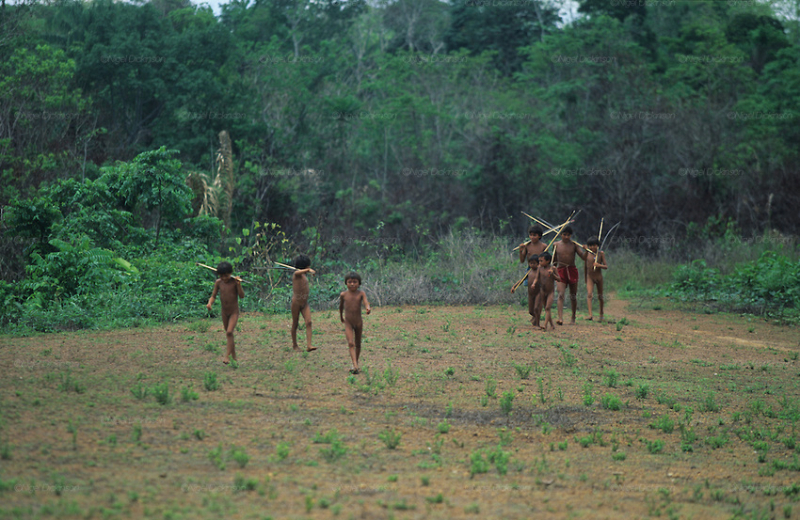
[516, 285]
[562, 226]
[542, 222]
[551, 230]
[581, 245]
[215, 271]
[600, 234]
[206, 266]
[287, 266]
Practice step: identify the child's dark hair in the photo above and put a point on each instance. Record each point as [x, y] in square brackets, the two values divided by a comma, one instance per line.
[352, 275]
[224, 268]
[535, 230]
[302, 262]
[567, 230]
[547, 256]
[533, 258]
[593, 242]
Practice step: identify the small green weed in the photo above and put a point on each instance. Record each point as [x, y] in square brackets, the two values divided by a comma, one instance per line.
[390, 438]
[215, 456]
[491, 387]
[663, 423]
[588, 400]
[523, 371]
[282, 450]
[161, 393]
[331, 436]
[336, 451]
[239, 456]
[610, 378]
[187, 394]
[506, 403]
[611, 402]
[210, 382]
[139, 390]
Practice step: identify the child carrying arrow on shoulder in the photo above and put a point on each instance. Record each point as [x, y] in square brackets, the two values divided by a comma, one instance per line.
[595, 262]
[230, 290]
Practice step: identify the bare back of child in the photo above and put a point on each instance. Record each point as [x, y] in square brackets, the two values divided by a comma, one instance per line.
[300, 295]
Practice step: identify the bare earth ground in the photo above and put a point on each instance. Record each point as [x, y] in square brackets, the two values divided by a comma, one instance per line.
[77, 443]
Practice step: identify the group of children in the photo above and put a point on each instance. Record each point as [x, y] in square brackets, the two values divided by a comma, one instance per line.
[229, 288]
[543, 277]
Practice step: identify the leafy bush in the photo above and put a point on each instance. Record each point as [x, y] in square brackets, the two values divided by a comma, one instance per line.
[770, 284]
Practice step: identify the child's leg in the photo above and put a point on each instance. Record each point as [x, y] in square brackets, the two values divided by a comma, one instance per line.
[225, 318]
[350, 334]
[295, 320]
[562, 291]
[537, 309]
[600, 296]
[307, 317]
[229, 335]
[589, 290]
[573, 299]
[548, 313]
[357, 331]
[532, 305]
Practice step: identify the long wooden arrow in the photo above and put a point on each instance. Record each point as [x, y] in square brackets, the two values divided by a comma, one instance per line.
[215, 271]
[516, 285]
[542, 222]
[551, 230]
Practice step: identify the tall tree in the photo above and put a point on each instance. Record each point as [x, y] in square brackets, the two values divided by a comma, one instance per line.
[499, 28]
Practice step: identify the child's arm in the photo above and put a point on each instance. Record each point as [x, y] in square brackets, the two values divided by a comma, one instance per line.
[213, 295]
[600, 261]
[304, 271]
[341, 306]
[523, 252]
[366, 302]
[239, 289]
[536, 280]
[581, 252]
[554, 272]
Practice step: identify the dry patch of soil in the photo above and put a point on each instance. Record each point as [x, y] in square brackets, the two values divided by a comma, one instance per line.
[706, 425]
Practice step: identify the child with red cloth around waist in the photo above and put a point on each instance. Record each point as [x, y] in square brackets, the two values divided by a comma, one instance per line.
[564, 260]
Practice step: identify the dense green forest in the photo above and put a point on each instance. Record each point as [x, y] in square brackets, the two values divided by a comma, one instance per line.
[138, 137]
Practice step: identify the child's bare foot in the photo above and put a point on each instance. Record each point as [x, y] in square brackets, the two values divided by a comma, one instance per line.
[559, 322]
[311, 349]
[225, 361]
[601, 317]
[354, 371]
[589, 318]
[295, 348]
